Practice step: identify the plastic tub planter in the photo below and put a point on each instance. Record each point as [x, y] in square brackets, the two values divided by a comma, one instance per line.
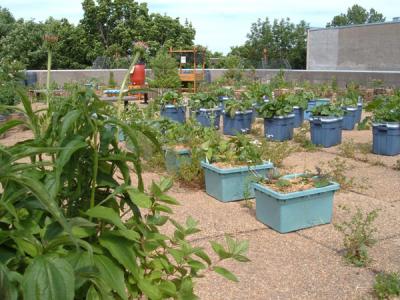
[240, 123]
[279, 128]
[206, 116]
[298, 116]
[349, 118]
[386, 138]
[326, 131]
[174, 113]
[293, 211]
[232, 184]
[312, 104]
[175, 158]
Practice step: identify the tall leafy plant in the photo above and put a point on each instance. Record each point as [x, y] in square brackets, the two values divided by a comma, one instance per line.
[73, 224]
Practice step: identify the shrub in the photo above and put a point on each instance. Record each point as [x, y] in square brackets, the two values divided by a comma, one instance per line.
[358, 236]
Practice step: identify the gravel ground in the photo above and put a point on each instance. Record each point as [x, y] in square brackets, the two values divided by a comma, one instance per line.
[302, 265]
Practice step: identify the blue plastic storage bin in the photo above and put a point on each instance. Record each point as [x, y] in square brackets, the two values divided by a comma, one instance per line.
[293, 211]
[241, 123]
[298, 116]
[206, 116]
[174, 113]
[232, 184]
[175, 158]
[349, 118]
[322, 101]
[386, 138]
[326, 131]
[279, 128]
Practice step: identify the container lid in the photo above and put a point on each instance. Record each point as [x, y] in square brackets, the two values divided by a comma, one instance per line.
[326, 119]
[394, 125]
[289, 116]
[350, 108]
[210, 109]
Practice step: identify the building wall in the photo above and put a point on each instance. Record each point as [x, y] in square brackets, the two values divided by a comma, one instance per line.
[360, 47]
[390, 78]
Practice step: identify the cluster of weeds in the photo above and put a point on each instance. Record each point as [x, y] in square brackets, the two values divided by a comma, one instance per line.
[348, 149]
[396, 166]
[365, 124]
[358, 236]
[336, 169]
[276, 152]
[190, 173]
[387, 285]
[300, 137]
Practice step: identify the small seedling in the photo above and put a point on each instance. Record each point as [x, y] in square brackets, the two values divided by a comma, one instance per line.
[358, 236]
[348, 149]
[387, 285]
[301, 138]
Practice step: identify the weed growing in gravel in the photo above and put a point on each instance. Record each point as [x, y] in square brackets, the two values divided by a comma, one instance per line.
[348, 149]
[387, 285]
[276, 152]
[364, 124]
[301, 138]
[336, 169]
[396, 166]
[358, 236]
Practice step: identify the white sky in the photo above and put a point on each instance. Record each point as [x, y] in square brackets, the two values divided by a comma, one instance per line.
[219, 24]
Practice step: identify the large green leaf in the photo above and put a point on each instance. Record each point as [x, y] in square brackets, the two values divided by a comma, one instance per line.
[225, 273]
[8, 290]
[10, 124]
[111, 274]
[139, 198]
[69, 119]
[150, 290]
[122, 250]
[48, 278]
[107, 214]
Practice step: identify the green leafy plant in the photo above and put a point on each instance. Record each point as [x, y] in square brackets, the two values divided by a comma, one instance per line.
[171, 98]
[327, 110]
[203, 100]
[234, 106]
[111, 81]
[358, 236]
[385, 109]
[300, 99]
[238, 150]
[73, 224]
[275, 108]
[165, 71]
[365, 124]
[301, 138]
[220, 92]
[387, 285]
[258, 91]
[10, 78]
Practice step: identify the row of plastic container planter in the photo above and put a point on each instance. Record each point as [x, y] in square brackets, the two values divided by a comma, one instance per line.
[277, 128]
[282, 212]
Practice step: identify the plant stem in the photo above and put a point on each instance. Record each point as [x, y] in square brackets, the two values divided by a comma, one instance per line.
[95, 168]
[49, 58]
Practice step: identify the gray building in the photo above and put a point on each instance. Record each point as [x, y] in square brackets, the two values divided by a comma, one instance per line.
[358, 47]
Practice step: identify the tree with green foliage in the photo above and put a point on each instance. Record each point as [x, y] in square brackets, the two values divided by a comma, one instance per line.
[165, 71]
[282, 39]
[356, 15]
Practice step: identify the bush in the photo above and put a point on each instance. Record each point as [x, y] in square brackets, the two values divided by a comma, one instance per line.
[358, 236]
[387, 285]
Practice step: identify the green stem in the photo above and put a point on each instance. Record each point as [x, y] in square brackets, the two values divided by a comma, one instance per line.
[95, 168]
[49, 57]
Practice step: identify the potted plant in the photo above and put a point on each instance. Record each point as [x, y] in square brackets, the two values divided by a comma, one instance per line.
[349, 106]
[278, 119]
[223, 95]
[385, 125]
[230, 167]
[172, 107]
[299, 102]
[206, 109]
[292, 202]
[326, 125]
[237, 117]
[311, 103]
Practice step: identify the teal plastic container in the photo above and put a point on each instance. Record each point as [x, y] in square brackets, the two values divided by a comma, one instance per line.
[232, 184]
[293, 211]
[175, 158]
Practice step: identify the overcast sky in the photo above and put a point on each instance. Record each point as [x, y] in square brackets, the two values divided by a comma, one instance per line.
[219, 24]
